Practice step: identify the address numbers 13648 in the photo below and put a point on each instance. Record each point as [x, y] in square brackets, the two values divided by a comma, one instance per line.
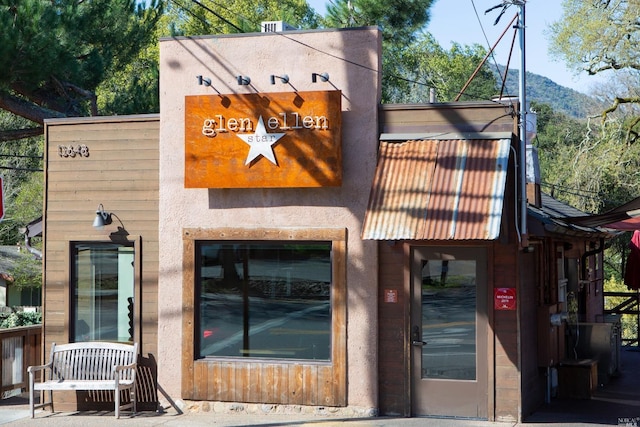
[79, 150]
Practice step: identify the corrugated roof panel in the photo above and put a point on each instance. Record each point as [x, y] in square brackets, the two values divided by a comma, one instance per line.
[438, 190]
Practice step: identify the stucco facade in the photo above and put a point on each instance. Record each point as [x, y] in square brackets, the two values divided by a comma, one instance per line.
[352, 60]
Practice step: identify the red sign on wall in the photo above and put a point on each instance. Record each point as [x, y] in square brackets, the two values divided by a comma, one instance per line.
[504, 298]
[390, 295]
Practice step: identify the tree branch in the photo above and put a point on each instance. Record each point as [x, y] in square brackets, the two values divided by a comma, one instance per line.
[620, 100]
[15, 134]
[26, 109]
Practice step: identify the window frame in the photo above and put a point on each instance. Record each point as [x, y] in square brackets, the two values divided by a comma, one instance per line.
[326, 378]
[198, 298]
[133, 242]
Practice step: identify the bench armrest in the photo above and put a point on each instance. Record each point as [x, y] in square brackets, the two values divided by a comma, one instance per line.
[118, 368]
[36, 368]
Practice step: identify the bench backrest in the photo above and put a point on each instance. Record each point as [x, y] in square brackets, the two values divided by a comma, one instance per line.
[91, 360]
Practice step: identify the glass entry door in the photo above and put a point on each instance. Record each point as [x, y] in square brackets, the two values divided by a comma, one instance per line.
[449, 332]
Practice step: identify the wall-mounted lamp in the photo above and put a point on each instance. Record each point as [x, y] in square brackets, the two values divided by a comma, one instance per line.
[244, 80]
[203, 81]
[324, 77]
[283, 78]
[102, 218]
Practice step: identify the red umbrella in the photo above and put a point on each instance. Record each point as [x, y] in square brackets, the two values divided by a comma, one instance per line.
[632, 270]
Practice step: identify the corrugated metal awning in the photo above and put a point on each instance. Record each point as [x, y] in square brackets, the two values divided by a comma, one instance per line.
[438, 189]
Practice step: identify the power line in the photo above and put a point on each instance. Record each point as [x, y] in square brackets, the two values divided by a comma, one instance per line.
[392, 76]
[21, 169]
[18, 156]
[190, 12]
[240, 30]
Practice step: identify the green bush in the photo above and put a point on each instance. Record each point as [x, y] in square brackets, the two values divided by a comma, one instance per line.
[20, 318]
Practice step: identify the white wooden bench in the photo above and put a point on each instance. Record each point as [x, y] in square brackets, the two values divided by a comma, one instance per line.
[87, 366]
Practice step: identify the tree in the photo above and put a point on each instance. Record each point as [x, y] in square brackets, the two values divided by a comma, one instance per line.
[400, 23]
[600, 36]
[20, 167]
[199, 17]
[399, 20]
[426, 65]
[55, 54]
[589, 166]
[599, 170]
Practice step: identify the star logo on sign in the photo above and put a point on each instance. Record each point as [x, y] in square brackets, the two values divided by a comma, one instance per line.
[261, 143]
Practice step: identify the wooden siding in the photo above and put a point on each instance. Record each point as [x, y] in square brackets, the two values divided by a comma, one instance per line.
[119, 171]
[459, 117]
[533, 379]
[393, 324]
[506, 330]
[256, 381]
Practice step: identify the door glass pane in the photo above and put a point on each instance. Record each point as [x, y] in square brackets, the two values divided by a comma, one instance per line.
[102, 292]
[264, 300]
[449, 319]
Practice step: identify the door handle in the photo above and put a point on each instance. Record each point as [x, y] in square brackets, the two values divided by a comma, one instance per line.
[416, 337]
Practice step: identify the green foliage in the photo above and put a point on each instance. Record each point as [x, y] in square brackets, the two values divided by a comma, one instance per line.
[236, 16]
[23, 181]
[27, 273]
[629, 322]
[55, 54]
[399, 20]
[602, 37]
[133, 88]
[20, 318]
[400, 23]
[598, 35]
[545, 91]
[587, 164]
[425, 65]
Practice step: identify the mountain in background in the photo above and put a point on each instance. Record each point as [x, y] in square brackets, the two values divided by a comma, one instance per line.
[545, 91]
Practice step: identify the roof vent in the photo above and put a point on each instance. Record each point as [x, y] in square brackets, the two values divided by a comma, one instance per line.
[276, 26]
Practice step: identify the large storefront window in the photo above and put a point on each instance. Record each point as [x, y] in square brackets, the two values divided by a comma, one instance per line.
[264, 300]
[102, 292]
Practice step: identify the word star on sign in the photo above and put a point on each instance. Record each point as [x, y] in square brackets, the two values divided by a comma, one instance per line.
[261, 143]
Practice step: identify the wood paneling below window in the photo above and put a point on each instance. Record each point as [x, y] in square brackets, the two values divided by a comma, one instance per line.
[299, 382]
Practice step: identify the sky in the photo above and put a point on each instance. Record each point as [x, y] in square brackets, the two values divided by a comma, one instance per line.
[457, 21]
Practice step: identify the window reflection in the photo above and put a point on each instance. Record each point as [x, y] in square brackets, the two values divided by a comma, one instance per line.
[103, 281]
[449, 319]
[265, 300]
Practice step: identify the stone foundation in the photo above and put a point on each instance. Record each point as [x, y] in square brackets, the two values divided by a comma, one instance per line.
[267, 409]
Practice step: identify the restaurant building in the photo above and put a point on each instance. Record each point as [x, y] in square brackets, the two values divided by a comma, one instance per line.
[277, 237]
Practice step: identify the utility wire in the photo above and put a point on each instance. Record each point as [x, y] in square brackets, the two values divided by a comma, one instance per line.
[396, 77]
[190, 12]
[208, 9]
[17, 156]
[21, 169]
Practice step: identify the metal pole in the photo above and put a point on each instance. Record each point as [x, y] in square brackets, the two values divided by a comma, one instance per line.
[523, 119]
